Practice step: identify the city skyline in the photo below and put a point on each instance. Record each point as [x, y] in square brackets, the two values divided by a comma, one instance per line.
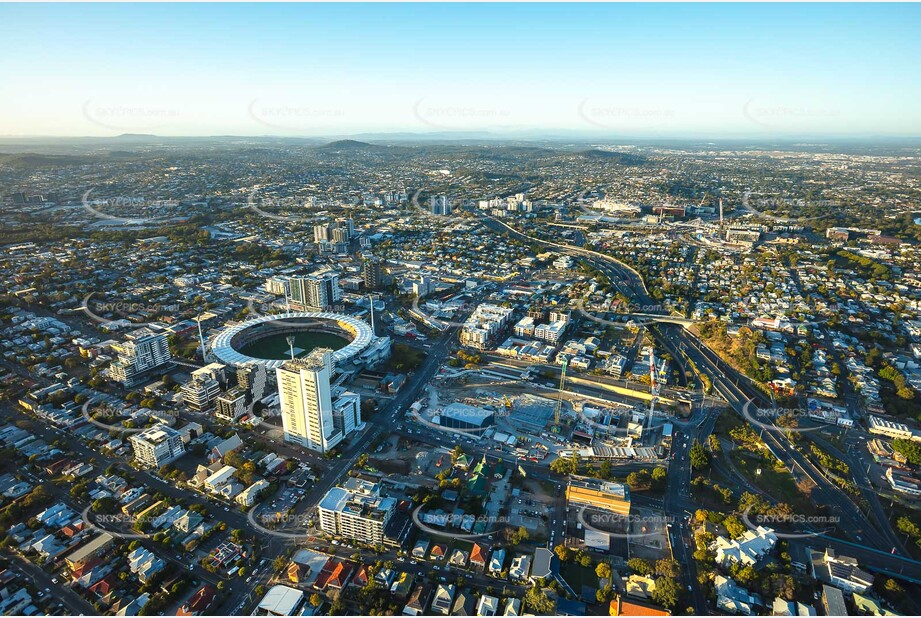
[510, 70]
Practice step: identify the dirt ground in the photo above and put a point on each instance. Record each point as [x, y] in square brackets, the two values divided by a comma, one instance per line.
[649, 534]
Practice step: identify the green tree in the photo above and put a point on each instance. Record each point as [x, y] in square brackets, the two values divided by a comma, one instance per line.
[668, 567]
[563, 553]
[104, 505]
[908, 449]
[907, 526]
[519, 536]
[639, 479]
[698, 456]
[603, 570]
[538, 602]
[566, 465]
[640, 566]
[734, 526]
[714, 442]
[667, 592]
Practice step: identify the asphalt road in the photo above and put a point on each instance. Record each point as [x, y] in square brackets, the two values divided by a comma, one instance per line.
[734, 388]
[384, 421]
[737, 393]
[74, 603]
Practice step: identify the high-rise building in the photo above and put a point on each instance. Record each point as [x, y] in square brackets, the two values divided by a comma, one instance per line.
[231, 405]
[216, 371]
[356, 511]
[298, 290]
[422, 286]
[372, 273]
[483, 325]
[200, 392]
[254, 379]
[324, 290]
[341, 235]
[277, 286]
[440, 205]
[142, 353]
[321, 233]
[157, 446]
[551, 333]
[348, 225]
[312, 414]
[315, 291]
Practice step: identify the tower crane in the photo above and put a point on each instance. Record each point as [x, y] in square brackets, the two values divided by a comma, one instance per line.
[653, 385]
[559, 401]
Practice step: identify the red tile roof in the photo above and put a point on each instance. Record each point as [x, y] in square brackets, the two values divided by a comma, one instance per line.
[361, 576]
[478, 553]
[104, 586]
[620, 607]
[340, 576]
[334, 574]
[200, 602]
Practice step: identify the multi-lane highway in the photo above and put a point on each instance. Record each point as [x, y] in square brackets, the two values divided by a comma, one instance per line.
[738, 392]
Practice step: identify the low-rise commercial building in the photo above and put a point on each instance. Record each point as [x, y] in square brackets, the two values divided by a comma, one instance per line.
[599, 494]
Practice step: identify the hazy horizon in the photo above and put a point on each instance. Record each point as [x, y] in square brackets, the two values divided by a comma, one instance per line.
[657, 71]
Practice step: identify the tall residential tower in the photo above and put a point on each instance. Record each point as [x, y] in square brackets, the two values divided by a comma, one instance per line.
[314, 414]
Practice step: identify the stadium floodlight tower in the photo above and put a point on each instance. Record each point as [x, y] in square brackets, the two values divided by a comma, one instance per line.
[201, 341]
[559, 401]
[371, 301]
[653, 385]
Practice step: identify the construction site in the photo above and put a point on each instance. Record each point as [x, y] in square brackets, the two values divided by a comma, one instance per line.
[533, 413]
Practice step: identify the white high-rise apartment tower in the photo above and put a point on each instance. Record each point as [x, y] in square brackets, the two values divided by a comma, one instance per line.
[141, 354]
[312, 414]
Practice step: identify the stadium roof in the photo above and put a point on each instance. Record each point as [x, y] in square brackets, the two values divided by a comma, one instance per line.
[359, 329]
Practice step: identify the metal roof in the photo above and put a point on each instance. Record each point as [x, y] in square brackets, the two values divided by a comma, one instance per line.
[360, 331]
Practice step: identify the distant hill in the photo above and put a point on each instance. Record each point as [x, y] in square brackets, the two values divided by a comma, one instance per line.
[349, 144]
[619, 157]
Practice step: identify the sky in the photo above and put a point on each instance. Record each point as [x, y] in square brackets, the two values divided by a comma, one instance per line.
[657, 70]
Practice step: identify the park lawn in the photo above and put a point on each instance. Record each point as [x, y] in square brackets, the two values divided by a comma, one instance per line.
[776, 481]
[707, 498]
[726, 421]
